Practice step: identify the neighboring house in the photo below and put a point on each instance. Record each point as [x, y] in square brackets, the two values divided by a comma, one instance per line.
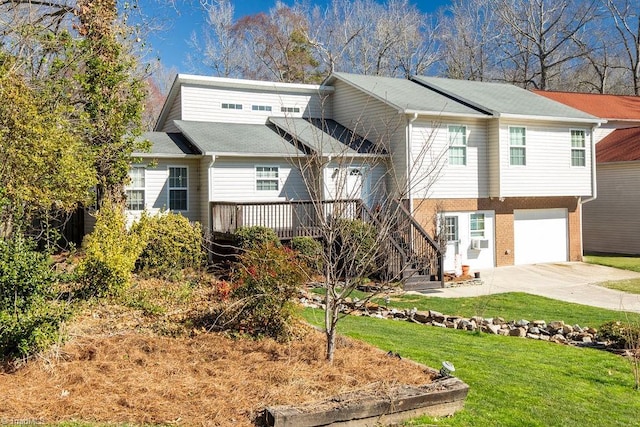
[611, 223]
[503, 170]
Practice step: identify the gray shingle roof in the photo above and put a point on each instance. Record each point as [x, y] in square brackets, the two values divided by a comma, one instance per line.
[326, 137]
[169, 143]
[236, 138]
[406, 95]
[502, 98]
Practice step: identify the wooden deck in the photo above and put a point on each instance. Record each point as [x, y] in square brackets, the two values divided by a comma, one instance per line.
[409, 251]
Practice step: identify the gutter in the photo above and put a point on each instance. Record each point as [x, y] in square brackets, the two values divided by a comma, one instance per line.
[594, 186]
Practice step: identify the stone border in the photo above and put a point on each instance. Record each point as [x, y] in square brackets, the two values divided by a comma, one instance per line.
[442, 397]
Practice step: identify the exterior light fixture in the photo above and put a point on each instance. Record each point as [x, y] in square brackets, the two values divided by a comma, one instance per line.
[447, 369]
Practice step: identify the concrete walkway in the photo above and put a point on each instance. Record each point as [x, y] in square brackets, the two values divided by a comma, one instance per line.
[570, 281]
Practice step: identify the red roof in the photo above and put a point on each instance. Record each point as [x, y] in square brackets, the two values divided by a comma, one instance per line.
[621, 145]
[616, 107]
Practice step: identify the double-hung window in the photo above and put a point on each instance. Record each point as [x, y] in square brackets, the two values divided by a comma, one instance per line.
[477, 225]
[267, 178]
[578, 147]
[451, 228]
[457, 145]
[135, 191]
[178, 188]
[517, 146]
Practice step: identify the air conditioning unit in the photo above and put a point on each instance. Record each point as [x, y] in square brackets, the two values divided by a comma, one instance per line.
[478, 244]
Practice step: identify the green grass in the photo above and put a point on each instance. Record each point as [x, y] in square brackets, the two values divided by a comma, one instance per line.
[510, 306]
[631, 286]
[625, 262]
[513, 382]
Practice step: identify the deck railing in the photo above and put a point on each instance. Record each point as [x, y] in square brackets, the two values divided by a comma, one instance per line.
[408, 245]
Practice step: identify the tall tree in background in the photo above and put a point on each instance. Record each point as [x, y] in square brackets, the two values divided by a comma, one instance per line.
[541, 37]
[626, 20]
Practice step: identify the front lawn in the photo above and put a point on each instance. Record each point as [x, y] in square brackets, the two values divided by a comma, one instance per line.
[514, 382]
[625, 262]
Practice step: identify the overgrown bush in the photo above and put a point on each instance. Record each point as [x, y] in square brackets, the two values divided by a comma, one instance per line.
[29, 318]
[111, 254]
[253, 237]
[310, 252]
[267, 279]
[172, 245]
[620, 334]
[355, 248]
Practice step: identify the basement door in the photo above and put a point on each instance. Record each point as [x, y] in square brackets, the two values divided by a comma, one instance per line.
[540, 235]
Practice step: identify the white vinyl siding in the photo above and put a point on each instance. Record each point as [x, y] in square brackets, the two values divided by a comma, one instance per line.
[178, 187]
[375, 121]
[174, 114]
[578, 147]
[457, 145]
[204, 104]
[234, 180]
[267, 178]
[135, 191]
[611, 223]
[157, 187]
[517, 146]
[548, 171]
[433, 176]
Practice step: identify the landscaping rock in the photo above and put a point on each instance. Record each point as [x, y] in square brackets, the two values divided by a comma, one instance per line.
[522, 322]
[559, 339]
[533, 336]
[555, 325]
[436, 316]
[567, 329]
[518, 332]
[534, 330]
[493, 329]
[421, 317]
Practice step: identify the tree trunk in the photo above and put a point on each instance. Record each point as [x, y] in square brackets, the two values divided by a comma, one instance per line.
[330, 321]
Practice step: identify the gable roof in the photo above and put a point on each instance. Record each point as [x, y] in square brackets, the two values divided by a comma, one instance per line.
[168, 144]
[325, 137]
[621, 145]
[236, 138]
[504, 100]
[617, 107]
[406, 96]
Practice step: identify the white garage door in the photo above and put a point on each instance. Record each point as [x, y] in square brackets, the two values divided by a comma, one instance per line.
[540, 235]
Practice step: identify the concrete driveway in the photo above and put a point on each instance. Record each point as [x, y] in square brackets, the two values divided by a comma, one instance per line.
[570, 281]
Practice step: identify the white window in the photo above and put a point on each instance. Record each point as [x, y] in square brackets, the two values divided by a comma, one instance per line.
[457, 145]
[135, 191]
[267, 178]
[578, 148]
[290, 109]
[451, 228]
[261, 107]
[517, 146]
[477, 225]
[178, 188]
[228, 106]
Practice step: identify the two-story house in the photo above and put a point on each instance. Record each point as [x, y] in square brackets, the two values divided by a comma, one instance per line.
[499, 172]
[611, 223]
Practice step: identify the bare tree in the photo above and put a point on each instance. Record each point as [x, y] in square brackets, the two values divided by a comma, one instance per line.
[541, 37]
[469, 34]
[626, 21]
[375, 236]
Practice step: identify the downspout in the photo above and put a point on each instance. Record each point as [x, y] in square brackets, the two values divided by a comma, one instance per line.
[410, 121]
[594, 185]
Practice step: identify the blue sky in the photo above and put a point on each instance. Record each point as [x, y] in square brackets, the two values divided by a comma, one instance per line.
[186, 17]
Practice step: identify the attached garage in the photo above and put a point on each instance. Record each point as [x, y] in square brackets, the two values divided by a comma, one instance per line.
[540, 235]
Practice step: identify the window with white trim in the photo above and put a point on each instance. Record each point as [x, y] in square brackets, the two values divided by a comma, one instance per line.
[135, 191]
[451, 228]
[229, 106]
[178, 188]
[267, 178]
[477, 225]
[517, 146]
[261, 107]
[457, 145]
[290, 109]
[578, 147]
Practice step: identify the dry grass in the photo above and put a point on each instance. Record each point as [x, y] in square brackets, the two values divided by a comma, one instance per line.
[115, 368]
